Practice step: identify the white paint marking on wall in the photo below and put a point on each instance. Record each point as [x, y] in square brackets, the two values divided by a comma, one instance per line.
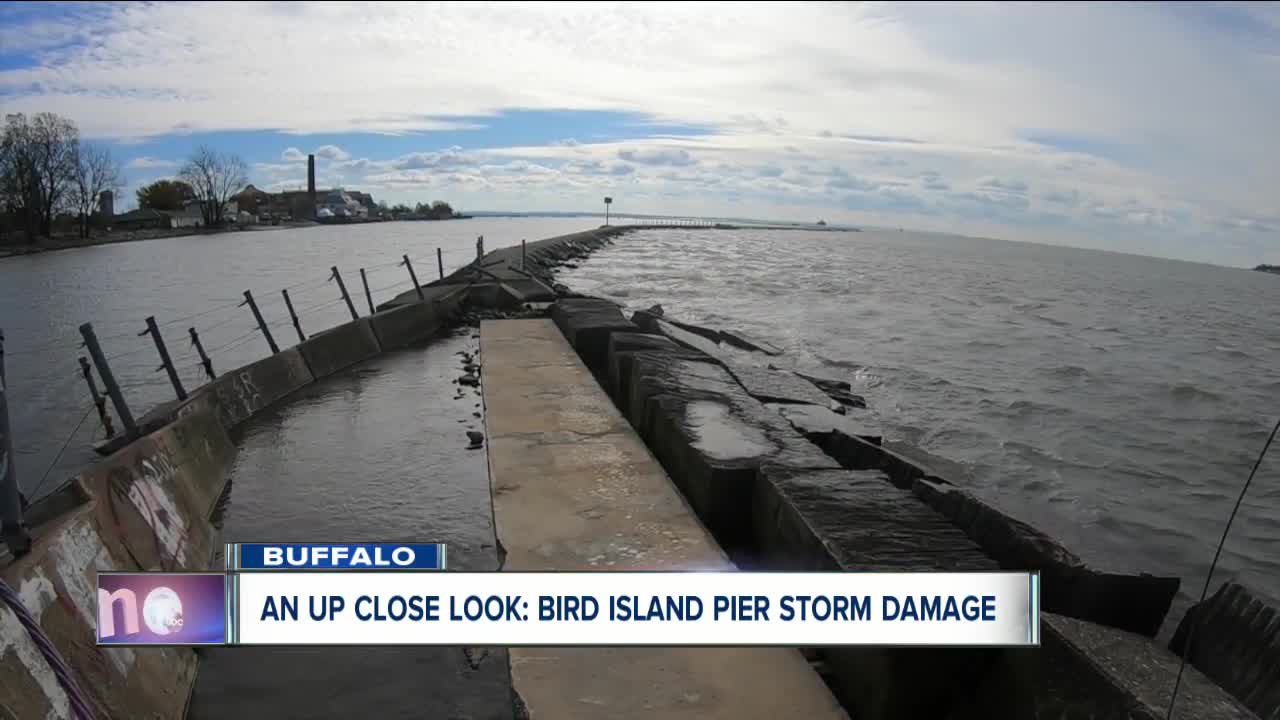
[76, 552]
[148, 495]
[37, 595]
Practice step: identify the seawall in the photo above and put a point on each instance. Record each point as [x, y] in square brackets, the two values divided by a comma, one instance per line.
[786, 481]
[147, 505]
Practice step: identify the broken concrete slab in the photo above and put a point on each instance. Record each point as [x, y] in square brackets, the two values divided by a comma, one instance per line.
[711, 436]
[740, 340]
[842, 520]
[1235, 642]
[587, 324]
[622, 346]
[776, 386]
[838, 390]
[1086, 670]
[1136, 603]
[818, 424]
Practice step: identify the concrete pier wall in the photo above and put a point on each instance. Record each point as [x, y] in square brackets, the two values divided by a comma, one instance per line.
[339, 348]
[798, 498]
[146, 506]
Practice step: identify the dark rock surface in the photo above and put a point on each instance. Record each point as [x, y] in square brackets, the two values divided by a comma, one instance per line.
[711, 436]
[818, 424]
[1137, 603]
[776, 386]
[1085, 670]
[837, 390]
[740, 340]
[842, 520]
[622, 346]
[1236, 642]
[587, 324]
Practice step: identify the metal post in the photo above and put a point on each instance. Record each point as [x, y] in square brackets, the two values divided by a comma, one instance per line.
[11, 525]
[166, 362]
[297, 325]
[108, 380]
[440, 261]
[521, 253]
[262, 324]
[98, 401]
[343, 288]
[204, 358]
[365, 279]
[414, 277]
[479, 248]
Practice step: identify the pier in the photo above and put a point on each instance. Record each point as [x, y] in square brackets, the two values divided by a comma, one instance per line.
[610, 443]
[574, 488]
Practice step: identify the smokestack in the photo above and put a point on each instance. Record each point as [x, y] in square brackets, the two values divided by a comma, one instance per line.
[311, 176]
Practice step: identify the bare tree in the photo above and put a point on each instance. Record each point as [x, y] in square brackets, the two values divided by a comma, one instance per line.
[95, 173]
[36, 168]
[215, 177]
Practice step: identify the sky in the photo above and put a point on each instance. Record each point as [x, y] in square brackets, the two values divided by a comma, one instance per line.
[1146, 128]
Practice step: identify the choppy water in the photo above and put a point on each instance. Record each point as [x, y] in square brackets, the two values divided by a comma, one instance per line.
[1116, 401]
[44, 299]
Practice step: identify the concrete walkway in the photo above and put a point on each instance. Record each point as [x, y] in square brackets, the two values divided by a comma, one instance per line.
[575, 488]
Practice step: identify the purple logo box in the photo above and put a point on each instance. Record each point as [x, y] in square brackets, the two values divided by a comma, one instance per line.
[162, 609]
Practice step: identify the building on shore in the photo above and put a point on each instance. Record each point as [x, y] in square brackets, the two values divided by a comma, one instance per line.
[298, 204]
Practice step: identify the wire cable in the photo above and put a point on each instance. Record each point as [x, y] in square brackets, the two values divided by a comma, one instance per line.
[45, 478]
[1204, 592]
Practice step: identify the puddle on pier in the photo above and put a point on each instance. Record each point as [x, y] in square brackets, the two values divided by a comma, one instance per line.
[721, 435]
[374, 454]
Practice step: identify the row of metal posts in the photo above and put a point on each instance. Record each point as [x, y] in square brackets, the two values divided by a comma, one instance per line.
[14, 532]
[12, 528]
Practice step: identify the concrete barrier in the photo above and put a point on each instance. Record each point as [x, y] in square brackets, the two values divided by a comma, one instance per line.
[1137, 603]
[587, 324]
[146, 507]
[1237, 643]
[339, 348]
[159, 491]
[842, 520]
[401, 326]
[243, 392]
[56, 582]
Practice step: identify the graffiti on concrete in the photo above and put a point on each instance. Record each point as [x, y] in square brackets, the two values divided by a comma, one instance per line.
[238, 397]
[144, 483]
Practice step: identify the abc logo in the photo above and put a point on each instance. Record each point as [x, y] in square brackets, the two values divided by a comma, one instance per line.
[161, 612]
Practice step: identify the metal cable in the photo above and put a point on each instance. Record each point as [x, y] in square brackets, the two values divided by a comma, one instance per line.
[231, 342]
[203, 313]
[44, 478]
[1204, 592]
[66, 677]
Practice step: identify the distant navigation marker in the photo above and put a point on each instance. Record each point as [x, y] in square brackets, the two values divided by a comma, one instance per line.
[607, 202]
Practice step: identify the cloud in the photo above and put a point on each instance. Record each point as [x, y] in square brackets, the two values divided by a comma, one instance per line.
[974, 93]
[150, 163]
[331, 152]
[658, 156]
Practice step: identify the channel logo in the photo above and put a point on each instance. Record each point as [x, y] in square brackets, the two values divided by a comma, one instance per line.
[162, 609]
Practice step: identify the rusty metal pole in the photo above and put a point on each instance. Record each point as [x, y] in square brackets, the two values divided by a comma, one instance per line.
[166, 362]
[204, 357]
[414, 277]
[522, 253]
[342, 287]
[262, 324]
[440, 262]
[108, 380]
[297, 325]
[12, 528]
[98, 401]
[367, 296]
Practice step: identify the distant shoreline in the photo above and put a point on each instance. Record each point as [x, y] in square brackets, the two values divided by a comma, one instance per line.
[124, 236]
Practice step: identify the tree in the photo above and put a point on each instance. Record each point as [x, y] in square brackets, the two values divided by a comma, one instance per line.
[441, 210]
[37, 168]
[168, 195]
[214, 177]
[95, 173]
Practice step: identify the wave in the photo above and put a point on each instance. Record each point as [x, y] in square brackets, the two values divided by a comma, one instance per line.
[1233, 353]
[1072, 372]
[1186, 392]
[1028, 307]
[1053, 321]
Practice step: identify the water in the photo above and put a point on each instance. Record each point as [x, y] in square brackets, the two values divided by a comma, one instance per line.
[1116, 401]
[44, 298]
[376, 454]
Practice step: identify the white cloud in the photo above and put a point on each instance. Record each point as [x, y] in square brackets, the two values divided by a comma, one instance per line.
[1111, 101]
[150, 163]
